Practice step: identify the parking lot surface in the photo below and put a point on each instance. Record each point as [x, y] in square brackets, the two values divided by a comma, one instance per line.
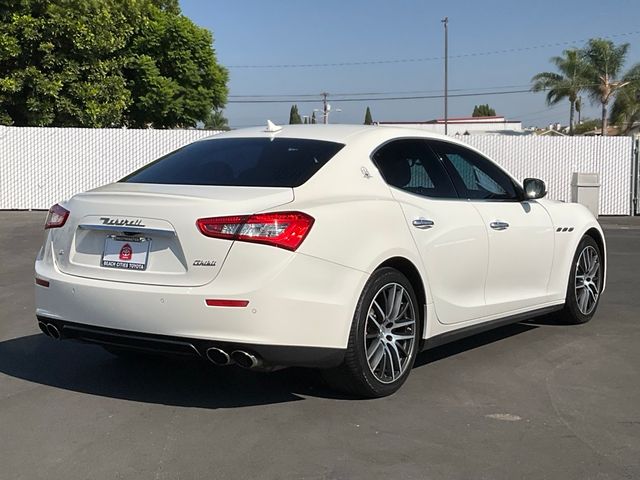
[534, 400]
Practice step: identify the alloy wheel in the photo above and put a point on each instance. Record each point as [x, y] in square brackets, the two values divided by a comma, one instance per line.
[588, 280]
[390, 333]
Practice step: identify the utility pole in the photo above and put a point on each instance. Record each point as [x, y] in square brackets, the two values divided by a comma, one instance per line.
[445, 21]
[325, 108]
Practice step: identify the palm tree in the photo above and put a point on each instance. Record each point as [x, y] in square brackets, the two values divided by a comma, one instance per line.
[566, 84]
[605, 61]
[626, 108]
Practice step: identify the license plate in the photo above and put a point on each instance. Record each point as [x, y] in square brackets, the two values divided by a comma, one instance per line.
[128, 253]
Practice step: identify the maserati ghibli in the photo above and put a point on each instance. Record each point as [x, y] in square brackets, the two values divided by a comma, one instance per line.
[344, 248]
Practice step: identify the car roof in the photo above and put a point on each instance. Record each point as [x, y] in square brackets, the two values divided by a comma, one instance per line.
[372, 135]
[332, 133]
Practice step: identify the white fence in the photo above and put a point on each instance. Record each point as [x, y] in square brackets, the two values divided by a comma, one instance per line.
[554, 159]
[40, 166]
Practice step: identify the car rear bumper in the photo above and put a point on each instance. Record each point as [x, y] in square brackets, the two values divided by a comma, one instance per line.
[269, 355]
[302, 302]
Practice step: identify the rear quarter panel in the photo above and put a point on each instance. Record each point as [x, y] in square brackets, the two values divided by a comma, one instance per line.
[358, 222]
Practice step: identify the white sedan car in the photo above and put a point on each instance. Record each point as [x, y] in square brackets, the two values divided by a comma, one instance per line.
[346, 248]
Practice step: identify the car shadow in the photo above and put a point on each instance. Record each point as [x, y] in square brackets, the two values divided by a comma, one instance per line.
[182, 382]
[472, 342]
[152, 379]
[550, 320]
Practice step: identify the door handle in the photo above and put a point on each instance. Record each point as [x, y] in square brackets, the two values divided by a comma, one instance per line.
[499, 225]
[423, 223]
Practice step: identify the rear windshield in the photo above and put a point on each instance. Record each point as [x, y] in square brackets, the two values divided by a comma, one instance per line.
[251, 162]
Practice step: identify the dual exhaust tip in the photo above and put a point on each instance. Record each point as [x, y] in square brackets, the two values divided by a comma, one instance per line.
[50, 330]
[217, 356]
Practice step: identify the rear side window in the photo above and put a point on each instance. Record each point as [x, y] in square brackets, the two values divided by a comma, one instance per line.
[250, 162]
[410, 165]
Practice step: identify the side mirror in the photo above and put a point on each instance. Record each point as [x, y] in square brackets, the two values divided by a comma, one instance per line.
[534, 188]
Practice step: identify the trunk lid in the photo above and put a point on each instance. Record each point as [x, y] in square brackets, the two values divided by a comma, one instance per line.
[121, 222]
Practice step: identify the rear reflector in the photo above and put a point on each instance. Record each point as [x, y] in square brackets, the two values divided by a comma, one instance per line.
[281, 229]
[212, 302]
[56, 217]
[42, 282]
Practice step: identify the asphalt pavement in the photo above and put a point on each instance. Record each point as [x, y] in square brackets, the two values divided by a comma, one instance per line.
[535, 400]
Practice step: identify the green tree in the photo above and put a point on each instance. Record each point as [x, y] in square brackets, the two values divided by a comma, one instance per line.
[61, 61]
[626, 107]
[483, 111]
[605, 61]
[313, 118]
[101, 63]
[172, 73]
[368, 120]
[567, 84]
[294, 116]
[171, 6]
[216, 121]
[588, 125]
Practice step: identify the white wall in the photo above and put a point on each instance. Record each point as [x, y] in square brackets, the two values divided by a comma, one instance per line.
[41, 166]
[554, 159]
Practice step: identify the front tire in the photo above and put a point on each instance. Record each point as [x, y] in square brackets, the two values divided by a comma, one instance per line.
[585, 283]
[384, 338]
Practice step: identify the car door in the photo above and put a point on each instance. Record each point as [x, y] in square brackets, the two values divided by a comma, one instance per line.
[449, 233]
[520, 232]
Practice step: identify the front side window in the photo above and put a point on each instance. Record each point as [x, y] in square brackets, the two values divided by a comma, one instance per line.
[251, 162]
[411, 166]
[474, 176]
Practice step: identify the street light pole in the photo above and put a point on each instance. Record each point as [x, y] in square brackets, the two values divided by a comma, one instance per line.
[445, 21]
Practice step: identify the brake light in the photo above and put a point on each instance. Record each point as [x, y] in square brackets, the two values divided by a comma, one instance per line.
[282, 229]
[56, 217]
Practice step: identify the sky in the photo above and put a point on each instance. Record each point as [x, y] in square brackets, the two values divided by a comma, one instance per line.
[293, 32]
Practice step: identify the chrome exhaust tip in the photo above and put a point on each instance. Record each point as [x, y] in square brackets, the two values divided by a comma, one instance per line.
[218, 356]
[53, 331]
[245, 359]
[43, 328]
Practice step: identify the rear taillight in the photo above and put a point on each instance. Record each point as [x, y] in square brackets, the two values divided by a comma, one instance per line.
[281, 229]
[56, 217]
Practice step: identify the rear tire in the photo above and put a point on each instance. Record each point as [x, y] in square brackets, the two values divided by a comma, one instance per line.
[384, 338]
[585, 283]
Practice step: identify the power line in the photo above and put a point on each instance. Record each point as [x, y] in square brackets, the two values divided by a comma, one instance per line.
[381, 99]
[429, 59]
[336, 96]
[355, 94]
